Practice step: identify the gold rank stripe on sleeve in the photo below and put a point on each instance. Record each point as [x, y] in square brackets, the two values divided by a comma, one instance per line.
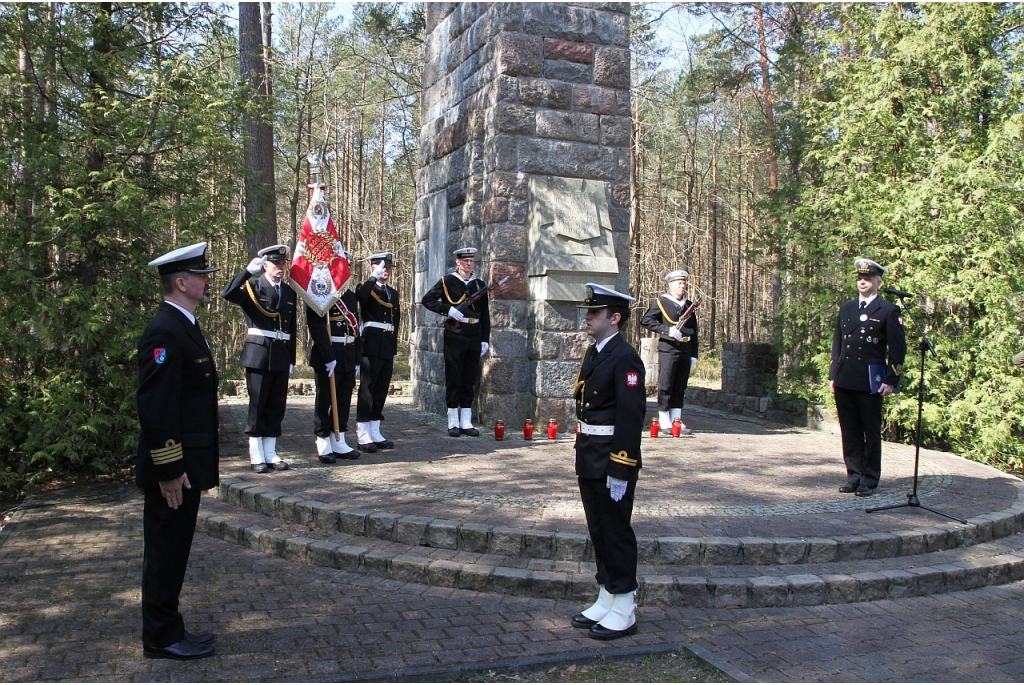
[256, 301]
[668, 319]
[382, 302]
[165, 455]
[447, 295]
[623, 458]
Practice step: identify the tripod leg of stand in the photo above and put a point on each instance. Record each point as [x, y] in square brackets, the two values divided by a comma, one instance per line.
[914, 502]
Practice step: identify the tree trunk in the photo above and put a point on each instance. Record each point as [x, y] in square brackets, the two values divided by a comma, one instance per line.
[767, 103]
[260, 214]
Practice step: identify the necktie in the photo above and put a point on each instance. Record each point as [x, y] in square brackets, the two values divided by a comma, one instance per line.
[863, 304]
[277, 296]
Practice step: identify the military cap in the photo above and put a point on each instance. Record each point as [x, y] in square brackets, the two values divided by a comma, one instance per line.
[599, 297]
[387, 257]
[191, 258]
[465, 252]
[275, 253]
[677, 276]
[867, 267]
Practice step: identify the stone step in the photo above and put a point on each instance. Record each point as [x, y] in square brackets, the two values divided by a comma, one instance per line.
[477, 538]
[992, 562]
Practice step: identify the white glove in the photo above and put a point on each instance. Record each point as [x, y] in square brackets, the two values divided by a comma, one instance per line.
[456, 314]
[338, 249]
[483, 348]
[330, 368]
[256, 265]
[618, 488]
[675, 333]
[693, 363]
[357, 369]
[377, 271]
[291, 367]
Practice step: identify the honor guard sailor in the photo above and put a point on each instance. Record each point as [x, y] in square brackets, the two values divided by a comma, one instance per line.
[610, 408]
[335, 357]
[467, 332]
[677, 347]
[379, 310]
[268, 354]
[177, 454]
[868, 330]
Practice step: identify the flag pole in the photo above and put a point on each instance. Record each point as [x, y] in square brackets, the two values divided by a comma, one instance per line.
[331, 381]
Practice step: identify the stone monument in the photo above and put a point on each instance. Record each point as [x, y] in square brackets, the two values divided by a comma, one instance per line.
[524, 153]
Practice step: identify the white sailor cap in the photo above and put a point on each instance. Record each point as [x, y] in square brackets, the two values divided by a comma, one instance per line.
[387, 257]
[599, 296]
[465, 252]
[677, 276]
[191, 258]
[275, 253]
[867, 267]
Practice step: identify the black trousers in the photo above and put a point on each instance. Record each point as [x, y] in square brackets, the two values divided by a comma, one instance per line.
[268, 396]
[167, 535]
[611, 534]
[344, 383]
[374, 382]
[461, 367]
[860, 421]
[673, 375]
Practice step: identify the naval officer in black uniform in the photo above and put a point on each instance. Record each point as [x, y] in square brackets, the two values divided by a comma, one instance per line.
[610, 408]
[379, 311]
[335, 357]
[677, 347]
[177, 454]
[467, 336]
[268, 354]
[868, 330]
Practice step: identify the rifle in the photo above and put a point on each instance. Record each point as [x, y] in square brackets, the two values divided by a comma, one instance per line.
[686, 315]
[480, 293]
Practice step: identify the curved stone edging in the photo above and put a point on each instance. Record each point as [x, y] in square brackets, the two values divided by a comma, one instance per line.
[558, 546]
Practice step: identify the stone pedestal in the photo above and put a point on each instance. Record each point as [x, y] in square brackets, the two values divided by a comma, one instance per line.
[524, 153]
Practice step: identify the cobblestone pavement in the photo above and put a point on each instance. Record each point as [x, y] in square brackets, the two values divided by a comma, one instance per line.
[70, 567]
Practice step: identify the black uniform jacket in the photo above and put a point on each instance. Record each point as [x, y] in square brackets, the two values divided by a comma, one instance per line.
[323, 350]
[177, 403]
[664, 314]
[857, 343]
[451, 291]
[254, 294]
[378, 303]
[609, 391]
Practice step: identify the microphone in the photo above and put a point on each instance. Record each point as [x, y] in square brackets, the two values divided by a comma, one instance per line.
[889, 290]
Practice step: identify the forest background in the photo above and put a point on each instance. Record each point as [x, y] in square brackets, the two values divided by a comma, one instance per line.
[784, 141]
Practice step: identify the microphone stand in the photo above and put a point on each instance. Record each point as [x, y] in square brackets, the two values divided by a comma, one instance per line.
[912, 498]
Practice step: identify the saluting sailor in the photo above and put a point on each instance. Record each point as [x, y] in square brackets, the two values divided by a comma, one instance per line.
[268, 354]
[467, 335]
[610, 408]
[677, 347]
[867, 330]
[379, 310]
[177, 455]
[335, 357]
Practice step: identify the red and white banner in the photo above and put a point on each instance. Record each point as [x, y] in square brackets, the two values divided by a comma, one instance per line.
[319, 272]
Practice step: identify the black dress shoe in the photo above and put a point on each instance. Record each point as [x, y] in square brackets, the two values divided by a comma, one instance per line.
[279, 466]
[599, 632]
[473, 432]
[384, 444]
[353, 454]
[204, 639]
[865, 491]
[183, 650]
[327, 458]
[368, 447]
[258, 468]
[847, 489]
[581, 621]
[454, 432]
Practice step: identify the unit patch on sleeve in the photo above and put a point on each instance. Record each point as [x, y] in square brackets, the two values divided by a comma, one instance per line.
[160, 355]
[632, 379]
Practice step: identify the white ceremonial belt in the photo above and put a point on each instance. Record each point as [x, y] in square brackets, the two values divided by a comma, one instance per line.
[276, 335]
[470, 321]
[587, 429]
[377, 324]
[343, 339]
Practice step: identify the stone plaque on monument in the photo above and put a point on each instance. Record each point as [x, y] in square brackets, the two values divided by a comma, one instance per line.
[570, 237]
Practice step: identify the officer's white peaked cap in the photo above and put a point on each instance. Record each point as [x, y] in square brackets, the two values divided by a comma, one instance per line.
[191, 258]
[599, 296]
[677, 276]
